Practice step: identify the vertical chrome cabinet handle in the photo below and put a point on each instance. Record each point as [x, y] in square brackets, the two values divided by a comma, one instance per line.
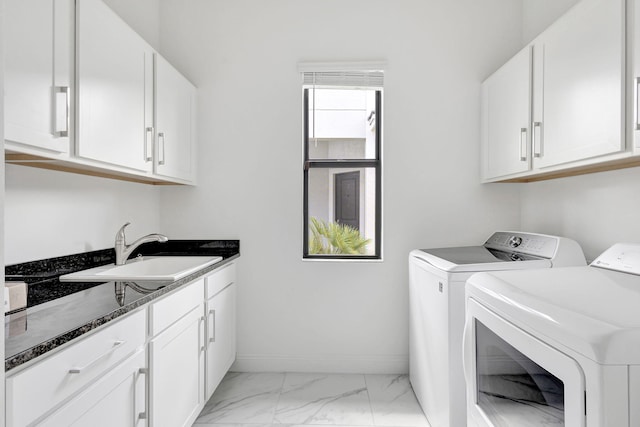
[161, 141]
[537, 141]
[212, 313]
[148, 136]
[143, 415]
[523, 144]
[201, 333]
[97, 359]
[61, 123]
[637, 120]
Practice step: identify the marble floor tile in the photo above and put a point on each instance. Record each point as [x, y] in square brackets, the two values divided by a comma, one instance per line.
[312, 400]
[243, 398]
[324, 399]
[393, 402]
[203, 424]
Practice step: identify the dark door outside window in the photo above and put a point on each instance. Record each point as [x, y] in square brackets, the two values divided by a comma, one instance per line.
[347, 198]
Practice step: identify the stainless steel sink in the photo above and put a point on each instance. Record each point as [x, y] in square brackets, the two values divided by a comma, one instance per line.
[147, 268]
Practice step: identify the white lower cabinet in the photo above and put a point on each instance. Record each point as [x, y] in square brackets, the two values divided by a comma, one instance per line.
[128, 374]
[117, 399]
[76, 382]
[221, 326]
[176, 359]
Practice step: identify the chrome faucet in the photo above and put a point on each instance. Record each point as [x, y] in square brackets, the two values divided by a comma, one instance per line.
[123, 250]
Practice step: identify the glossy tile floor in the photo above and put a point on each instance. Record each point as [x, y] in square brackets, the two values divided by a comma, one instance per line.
[265, 399]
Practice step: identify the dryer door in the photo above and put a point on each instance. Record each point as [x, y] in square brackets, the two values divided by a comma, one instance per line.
[514, 378]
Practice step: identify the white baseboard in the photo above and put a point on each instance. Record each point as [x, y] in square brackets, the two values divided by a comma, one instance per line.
[335, 364]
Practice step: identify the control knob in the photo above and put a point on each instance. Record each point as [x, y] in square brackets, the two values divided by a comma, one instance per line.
[515, 241]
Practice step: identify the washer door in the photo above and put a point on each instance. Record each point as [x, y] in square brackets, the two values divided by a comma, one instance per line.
[513, 377]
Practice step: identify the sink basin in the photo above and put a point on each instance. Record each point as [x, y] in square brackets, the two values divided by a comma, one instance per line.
[147, 268]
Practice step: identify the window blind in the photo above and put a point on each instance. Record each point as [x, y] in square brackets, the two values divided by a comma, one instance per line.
[372, 79]
[368, 74]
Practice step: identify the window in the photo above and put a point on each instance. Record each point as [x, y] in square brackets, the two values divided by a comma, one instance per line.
[342, 164]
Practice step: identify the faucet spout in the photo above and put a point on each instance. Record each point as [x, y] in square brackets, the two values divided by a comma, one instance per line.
[123, 250]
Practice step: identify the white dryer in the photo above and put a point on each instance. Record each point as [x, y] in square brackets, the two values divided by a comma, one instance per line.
[556, 347]
[436, 310]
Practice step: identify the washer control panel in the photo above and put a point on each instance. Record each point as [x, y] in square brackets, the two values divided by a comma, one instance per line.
[623, 257]
[539, 245]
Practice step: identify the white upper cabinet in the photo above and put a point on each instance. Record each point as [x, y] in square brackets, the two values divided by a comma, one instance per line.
[558, 107]
[634, 78]
[83, 94]
[506, 116]
[175, 123]
[38, 74]
[115, 89]
[579, 85]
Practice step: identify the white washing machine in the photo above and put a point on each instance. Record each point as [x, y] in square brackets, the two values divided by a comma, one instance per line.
[556, 347]
[436, 311]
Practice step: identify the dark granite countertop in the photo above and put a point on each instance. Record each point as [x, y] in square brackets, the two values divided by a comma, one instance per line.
[59, 312]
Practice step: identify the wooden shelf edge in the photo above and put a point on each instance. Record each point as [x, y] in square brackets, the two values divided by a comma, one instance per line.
[625, 163]
[40, 162]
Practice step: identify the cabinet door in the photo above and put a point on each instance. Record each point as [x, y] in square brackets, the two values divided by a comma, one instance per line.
[221, 336]
[176, 360]
[115, 89]
[117, 399]
[506, 112]
[578, 84]
[38, 73]
[175, 123]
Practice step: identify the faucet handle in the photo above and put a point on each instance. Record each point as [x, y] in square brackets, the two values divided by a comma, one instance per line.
[120, 237]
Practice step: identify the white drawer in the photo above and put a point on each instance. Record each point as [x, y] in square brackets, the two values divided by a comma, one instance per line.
[39, 388]
[220, 279]
[174, 305]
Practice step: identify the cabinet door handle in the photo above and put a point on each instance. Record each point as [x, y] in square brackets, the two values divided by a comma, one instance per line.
[97, 359]
[523, 144]
[537, 141]
[637, 121]
[212, 313]
[148, 136]
[161, 142]
[201, 333]
[61, 122]
[141, 415]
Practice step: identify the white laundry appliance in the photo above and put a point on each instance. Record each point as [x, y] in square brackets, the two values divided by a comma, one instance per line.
[556, 347]
[436, 310]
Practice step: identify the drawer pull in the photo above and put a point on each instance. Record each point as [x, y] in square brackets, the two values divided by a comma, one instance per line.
[97, 359]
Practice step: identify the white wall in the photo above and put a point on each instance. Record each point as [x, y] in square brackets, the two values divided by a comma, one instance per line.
[539, 14]
[141, 15]
[50, 214]
[596, 210]
[242, 54]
